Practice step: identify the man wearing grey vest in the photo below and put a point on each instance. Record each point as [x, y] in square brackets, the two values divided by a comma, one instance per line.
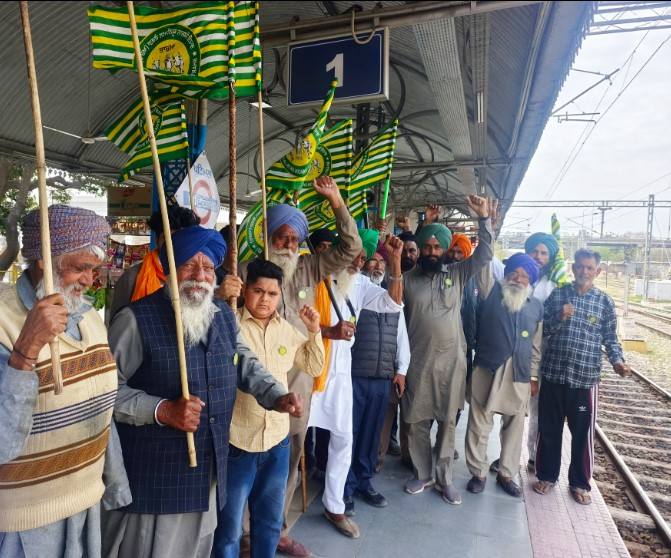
[507, 358]
[380, 358]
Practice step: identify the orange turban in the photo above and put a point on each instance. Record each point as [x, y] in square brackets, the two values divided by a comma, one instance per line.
[464, 244]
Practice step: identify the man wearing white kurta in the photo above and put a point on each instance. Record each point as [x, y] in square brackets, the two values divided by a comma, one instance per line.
[332, 408]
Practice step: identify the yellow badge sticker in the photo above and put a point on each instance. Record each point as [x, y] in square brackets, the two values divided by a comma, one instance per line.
[352, 320]
[235, 359]
[525, 333]
[302, 294]
[592, 319]
[282, 350]
[448, 282]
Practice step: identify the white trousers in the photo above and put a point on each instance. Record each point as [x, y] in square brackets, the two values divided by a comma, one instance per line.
[340, 459]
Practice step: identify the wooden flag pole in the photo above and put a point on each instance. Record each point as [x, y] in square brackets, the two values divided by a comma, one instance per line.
[263, 178]
[233, 189]
[172, 272]
[42, 187]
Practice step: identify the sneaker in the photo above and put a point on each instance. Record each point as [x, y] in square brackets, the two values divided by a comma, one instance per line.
[450, 494]
[394, 449]
[531, 466]
[373, 498]
[349, 506]
[292, 548]
[476, 485]
[494, 467]
[344, 524]
[415, 486]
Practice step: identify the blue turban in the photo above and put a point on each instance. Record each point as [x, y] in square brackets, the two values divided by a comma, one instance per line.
[186, 243]
[441, 232]
[548, 240]
[527, 263]
[283, 214]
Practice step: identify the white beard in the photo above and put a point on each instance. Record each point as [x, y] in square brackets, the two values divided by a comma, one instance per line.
[514, 297]
[73, 302]
[376, 279]
[197, 311]
[286, 259]
[344, 282]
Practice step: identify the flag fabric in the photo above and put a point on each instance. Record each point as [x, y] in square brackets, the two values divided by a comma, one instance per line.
[558, 269]
[333, 158]
[129, 133]
[370, 167]
[188, 48]
[250, 236]
[290, 171]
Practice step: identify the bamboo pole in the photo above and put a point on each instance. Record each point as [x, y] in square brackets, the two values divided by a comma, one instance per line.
[42, 187]
[263, 178]
[233, 189]
[188, 173]
[174, 287]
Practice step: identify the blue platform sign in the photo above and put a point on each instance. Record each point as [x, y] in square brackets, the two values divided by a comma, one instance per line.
[362, 69]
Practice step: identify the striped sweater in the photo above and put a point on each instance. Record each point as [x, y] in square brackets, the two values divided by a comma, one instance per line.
[59, 471]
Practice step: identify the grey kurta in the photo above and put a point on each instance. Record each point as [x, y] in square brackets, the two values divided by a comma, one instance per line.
[436, 377]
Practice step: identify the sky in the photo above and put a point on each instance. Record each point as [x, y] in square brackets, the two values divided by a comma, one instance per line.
[625, 155]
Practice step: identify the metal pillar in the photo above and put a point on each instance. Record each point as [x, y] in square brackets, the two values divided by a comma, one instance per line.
[603, 210]
[361, 132]
[648, 244]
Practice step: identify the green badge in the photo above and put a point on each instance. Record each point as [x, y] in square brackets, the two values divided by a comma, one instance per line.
[592, 319]
[235, 359]
[448, 282]
[302, 294]
[352, 320]
[282, 350]
[525, 333]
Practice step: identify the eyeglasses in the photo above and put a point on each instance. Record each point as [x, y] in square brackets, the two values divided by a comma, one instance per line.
[514, 276]
[373, 262]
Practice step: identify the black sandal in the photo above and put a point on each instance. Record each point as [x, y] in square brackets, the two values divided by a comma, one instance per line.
[509, 486]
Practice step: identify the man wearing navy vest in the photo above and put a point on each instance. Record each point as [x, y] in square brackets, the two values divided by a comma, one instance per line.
[507, 358]
[380, 358]
[174, 506]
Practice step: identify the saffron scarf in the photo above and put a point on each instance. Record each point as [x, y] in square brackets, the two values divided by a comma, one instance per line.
[150, 277]
[323, 306]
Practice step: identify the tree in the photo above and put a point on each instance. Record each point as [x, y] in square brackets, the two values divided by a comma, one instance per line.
[17, 180]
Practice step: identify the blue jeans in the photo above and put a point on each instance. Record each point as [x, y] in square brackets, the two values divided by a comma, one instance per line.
[261, 479]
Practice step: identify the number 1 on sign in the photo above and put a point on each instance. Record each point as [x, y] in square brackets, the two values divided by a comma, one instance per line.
[337, 65]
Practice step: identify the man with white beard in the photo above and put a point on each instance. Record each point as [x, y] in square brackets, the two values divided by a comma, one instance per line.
[50, 506]
[332, 406]
[287, 229]
[174, 506]
[507, 359]
[380, 358]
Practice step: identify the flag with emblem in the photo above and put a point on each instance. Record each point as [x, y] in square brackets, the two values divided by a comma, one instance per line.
[333, 158]
[370, 167]
[558, 269]
[129, 133]
[250, 236]
[190, 48]
[290, 171]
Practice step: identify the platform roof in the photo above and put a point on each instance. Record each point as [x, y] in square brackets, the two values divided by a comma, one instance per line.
[511, 58]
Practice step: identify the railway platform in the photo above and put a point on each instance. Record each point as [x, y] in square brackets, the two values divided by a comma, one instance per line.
[491, 524]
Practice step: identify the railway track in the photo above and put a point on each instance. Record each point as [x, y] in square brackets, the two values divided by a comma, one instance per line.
[634, 436]
[649, 319]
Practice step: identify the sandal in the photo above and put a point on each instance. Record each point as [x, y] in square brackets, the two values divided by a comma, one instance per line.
[580, 495]
[543, 487]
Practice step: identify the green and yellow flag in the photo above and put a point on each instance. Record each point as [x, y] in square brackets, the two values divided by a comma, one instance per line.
[290, 171]
[370, 167]
[558, 269]
[130, 133]
[333, 158]
[250, 237]
[190, 48]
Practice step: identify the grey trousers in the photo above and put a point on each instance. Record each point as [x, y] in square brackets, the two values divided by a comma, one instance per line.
[419, 444]
[532, 430]
[480, 424]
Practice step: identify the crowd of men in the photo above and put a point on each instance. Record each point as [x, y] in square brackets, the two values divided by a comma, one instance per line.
[333, 339]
